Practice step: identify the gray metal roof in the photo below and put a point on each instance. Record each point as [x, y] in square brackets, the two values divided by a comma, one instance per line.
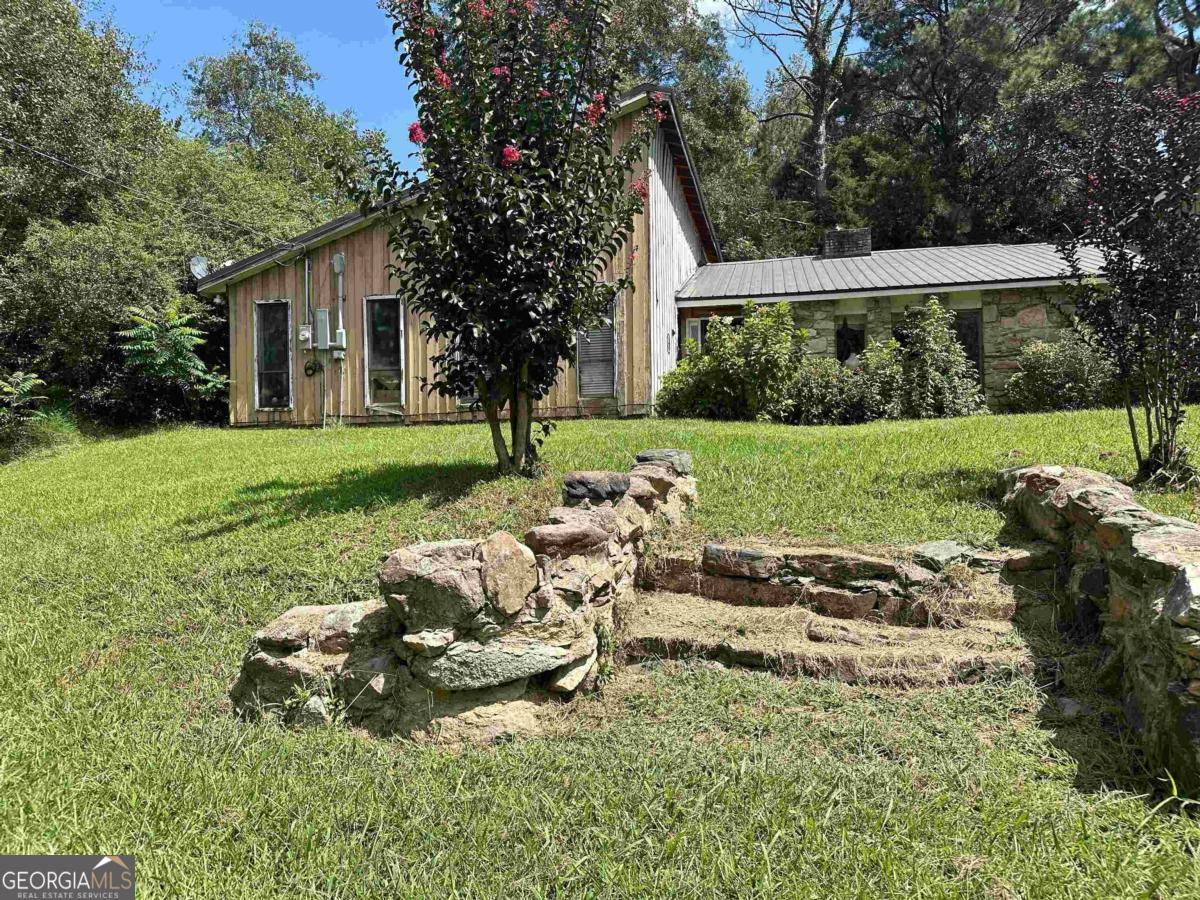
[884, 271]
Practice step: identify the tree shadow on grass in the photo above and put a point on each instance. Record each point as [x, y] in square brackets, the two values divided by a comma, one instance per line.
[1080, 718]
[279, 502]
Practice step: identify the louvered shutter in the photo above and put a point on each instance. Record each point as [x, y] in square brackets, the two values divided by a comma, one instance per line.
[597, 362]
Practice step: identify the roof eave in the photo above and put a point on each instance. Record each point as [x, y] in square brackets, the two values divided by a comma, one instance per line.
[632, 101]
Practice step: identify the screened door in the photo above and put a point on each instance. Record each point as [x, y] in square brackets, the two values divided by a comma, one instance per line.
[274, 359]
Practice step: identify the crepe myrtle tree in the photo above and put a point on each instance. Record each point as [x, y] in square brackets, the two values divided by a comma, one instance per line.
[518, 235]
[1137, 165]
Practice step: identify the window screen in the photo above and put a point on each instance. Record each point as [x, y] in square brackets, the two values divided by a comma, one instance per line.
[385, 351]
[597, 362]
[274, 356]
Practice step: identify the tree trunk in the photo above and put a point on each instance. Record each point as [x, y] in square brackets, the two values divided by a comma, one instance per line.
[521, 422]
[491, 410]
[820, 166]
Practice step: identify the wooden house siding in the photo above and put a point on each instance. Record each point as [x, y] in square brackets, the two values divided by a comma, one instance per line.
[675, 252]
[339, 391]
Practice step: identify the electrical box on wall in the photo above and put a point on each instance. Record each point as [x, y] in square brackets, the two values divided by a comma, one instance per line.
[321, 339]
[306, 335]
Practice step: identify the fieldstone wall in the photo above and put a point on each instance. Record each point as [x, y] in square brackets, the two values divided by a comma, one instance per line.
[1132, 581]
[835, 582]
[1012, 319]
[471, 635]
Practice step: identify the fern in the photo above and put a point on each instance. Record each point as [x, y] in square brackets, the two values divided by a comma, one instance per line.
[19, 397]
[164, 347]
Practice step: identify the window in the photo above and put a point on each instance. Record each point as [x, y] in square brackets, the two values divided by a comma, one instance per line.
[851, 337]
[597, 361]
[697, 329]
[273, 363]
[383, 334]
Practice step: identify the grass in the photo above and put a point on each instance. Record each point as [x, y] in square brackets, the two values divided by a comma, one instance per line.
[133, 571]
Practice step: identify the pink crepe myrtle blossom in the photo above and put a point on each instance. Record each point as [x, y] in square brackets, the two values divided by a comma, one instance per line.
[441, 78]
[501, 71]
[640, 188]
[509, 156]
[479, 8]
[417, 134]
[595, 110]
[544, 94]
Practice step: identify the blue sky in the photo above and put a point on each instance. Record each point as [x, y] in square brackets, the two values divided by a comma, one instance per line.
[348, 42]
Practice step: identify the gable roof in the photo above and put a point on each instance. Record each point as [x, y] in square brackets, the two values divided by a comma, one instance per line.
[884, 272]
[628, 103]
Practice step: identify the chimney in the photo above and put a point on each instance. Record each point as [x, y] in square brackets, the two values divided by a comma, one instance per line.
[839, 244]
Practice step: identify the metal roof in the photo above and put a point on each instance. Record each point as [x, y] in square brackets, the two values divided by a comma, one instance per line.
[630, 101]
[921, 269]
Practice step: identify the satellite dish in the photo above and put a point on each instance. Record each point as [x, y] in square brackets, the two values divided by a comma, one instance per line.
[199, 266]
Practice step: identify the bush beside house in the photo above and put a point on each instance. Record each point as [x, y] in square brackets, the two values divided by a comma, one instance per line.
[760, 372]
[1065, 374]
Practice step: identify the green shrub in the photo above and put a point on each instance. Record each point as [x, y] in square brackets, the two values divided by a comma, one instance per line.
[939, 379]
[1061, 375]
[744, 373]
[828, 393]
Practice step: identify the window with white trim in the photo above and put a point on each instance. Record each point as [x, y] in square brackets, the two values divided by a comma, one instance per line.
[383, 336]
[596, 360]
[273, 354]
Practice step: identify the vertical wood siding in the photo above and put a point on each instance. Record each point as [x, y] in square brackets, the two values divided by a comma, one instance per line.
[675, 253]
[340, 390]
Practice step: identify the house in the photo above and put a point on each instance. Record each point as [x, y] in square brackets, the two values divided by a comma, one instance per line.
[318, 333]
[1003, 295]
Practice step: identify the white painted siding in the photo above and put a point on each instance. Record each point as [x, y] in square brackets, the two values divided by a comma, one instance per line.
[675, 254]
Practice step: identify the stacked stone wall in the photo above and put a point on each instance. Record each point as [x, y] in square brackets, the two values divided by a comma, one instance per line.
[469, 632]
[1131, 580]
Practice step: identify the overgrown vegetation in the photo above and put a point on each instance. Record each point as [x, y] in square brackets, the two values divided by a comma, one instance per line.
[759, 371]
[1062, 374]
[748, 372]
[134, 571]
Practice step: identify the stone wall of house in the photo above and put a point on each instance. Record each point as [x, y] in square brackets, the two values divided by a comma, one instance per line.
[1131, 581]
[1011, 319]
[471, 635]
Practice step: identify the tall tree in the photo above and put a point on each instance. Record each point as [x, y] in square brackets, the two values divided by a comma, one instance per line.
[258, 101]
[1178, 25]
[939, 66]
[525, 202]
[66, 94]
[812, 82]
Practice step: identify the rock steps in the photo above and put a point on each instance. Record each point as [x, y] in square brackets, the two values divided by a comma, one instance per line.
[846, 584]
[797, 641]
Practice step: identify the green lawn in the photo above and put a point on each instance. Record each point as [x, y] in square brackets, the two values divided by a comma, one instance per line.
[133, 571]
